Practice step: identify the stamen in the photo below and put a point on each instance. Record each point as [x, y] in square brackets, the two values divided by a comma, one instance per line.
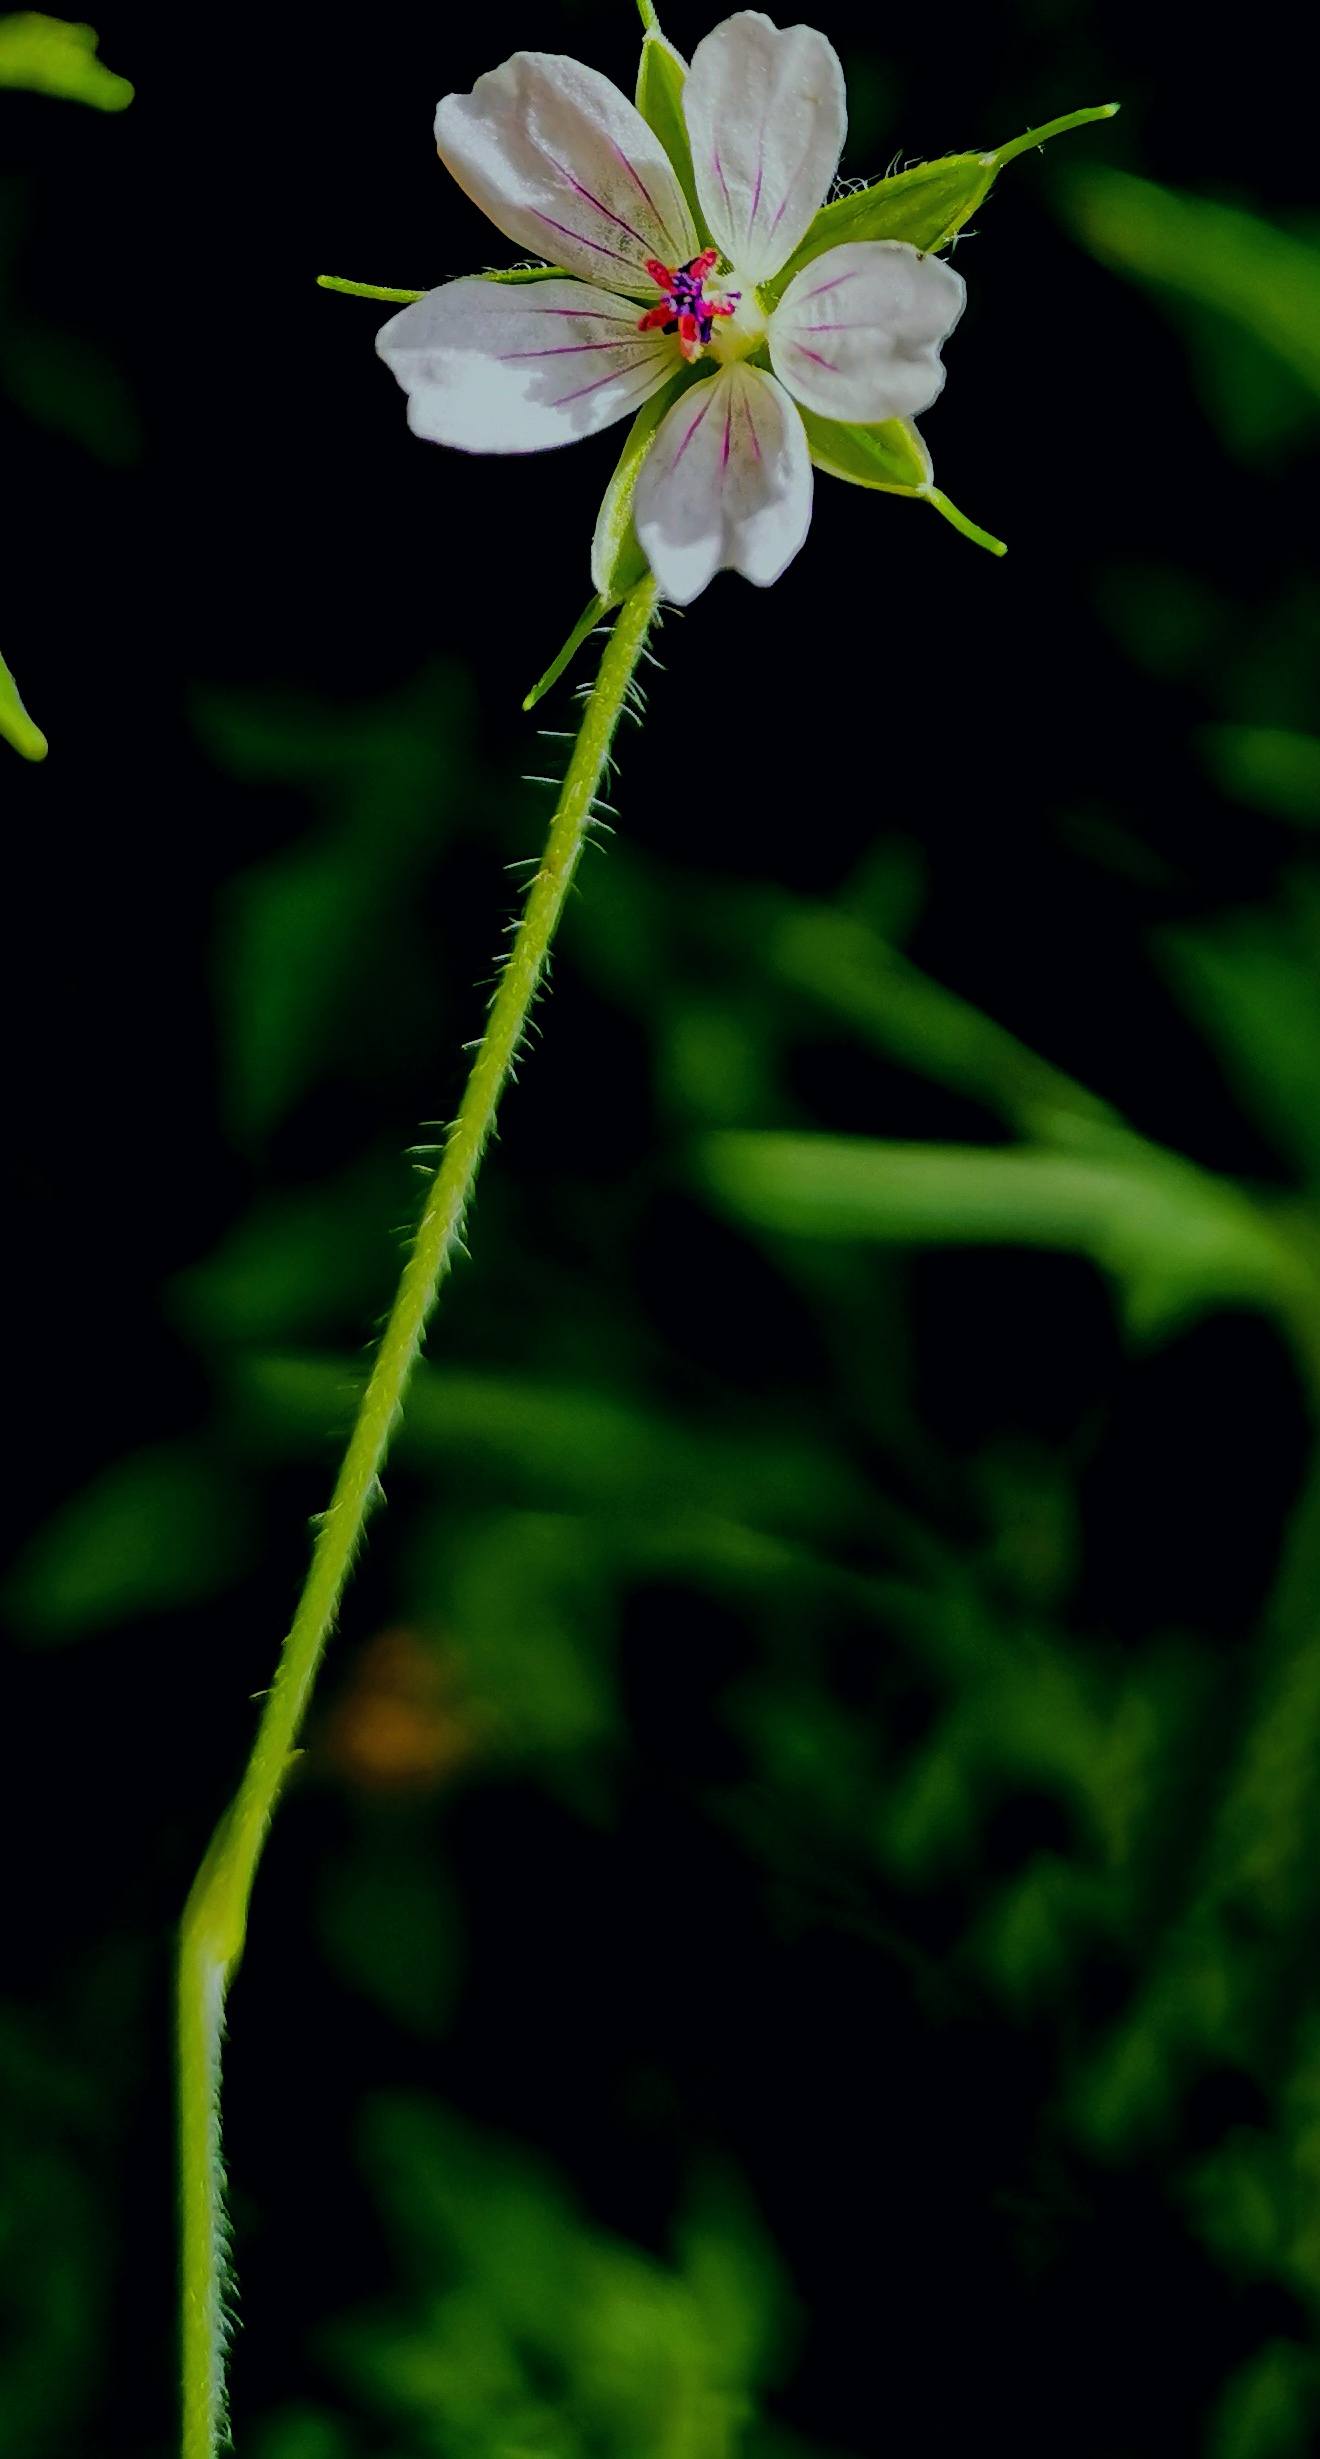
[684, 309]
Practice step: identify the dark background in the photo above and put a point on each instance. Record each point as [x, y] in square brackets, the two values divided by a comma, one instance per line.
[796, 1930]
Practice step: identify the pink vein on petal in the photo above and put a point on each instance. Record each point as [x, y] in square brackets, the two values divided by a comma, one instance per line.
[688, 437]
[634, 173]
[601, 207]
[567, 350]
[836, 283]
[728, 431]
[598, 245]
[611, 376]
[751, 427]
[724, 185]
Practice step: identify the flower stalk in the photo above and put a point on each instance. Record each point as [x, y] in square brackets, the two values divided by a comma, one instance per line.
[215, 1919]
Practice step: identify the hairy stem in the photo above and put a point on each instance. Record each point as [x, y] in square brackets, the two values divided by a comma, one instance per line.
[215, 1918]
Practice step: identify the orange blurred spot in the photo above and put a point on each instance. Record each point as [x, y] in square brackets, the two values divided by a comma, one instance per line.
[398, 1727]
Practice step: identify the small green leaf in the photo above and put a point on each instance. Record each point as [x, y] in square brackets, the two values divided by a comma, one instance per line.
[661, 77]
[925, 206]
[47, 55]
[617, 561]
[15, 724]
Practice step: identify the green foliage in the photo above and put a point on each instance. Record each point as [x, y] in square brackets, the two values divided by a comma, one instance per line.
[48, 55]
[533, 2332]
[155, 1532]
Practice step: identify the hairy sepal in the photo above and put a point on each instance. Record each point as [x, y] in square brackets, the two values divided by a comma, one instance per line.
[891, 459]
[926, 206]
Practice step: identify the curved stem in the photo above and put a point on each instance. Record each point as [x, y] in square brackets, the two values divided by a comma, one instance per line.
[215, 1919]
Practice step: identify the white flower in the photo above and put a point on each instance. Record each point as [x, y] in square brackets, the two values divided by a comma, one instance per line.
[566, 167]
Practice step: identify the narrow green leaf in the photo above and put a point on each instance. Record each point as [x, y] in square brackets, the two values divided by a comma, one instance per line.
[661, 77]
[47, 55]
[582, 630]
[367, 290]
[925, 206]
[15, 724]
[617, 561]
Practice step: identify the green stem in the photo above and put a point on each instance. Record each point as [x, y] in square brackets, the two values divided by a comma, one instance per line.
[215, 1918]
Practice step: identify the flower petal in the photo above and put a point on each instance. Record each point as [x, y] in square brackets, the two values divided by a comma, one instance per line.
[767, 116]
[565, 167]
[857, 333]
[727, 482]
[497, 367]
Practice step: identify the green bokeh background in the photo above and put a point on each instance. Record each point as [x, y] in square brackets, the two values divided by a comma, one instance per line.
[795, 1933]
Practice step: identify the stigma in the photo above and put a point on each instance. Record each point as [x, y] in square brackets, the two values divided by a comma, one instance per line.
[684, 308]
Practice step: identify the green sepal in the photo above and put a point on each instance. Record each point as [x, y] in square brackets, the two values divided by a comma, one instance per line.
[891, 456]
[15, 724]
[367, 290]
[661, 77]
[524, 273]
[409, 298]
[617, 561]
[925, 206]
[892, 460]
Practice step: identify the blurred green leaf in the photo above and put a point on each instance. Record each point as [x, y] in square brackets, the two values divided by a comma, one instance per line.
[1219, 256]
[841, 962]
[48, 55]
[156, 1530]
[1267, 2411]
[310, 939]
[1175, 1238]
[1271, 768]
[534, 2333]
[1252, 980]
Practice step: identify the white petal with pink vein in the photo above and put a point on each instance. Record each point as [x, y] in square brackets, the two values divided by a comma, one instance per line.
[567, 169]
[766, 115]
[727, 483]
[500, 367]
[857, 333]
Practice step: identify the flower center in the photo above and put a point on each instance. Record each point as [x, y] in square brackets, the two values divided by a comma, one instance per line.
[685, 308]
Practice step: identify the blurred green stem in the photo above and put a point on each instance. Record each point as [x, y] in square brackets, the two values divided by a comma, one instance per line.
[215, 1918]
